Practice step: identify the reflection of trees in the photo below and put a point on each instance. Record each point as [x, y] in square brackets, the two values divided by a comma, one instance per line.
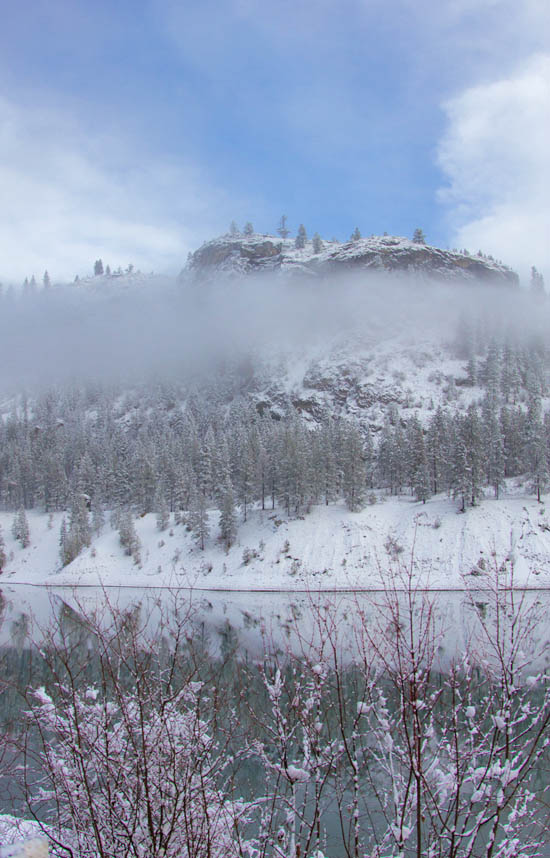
[365, 735]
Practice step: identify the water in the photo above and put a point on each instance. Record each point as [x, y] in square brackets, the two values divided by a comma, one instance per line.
[257, 628]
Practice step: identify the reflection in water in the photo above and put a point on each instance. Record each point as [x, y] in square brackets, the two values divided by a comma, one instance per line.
[347, 711]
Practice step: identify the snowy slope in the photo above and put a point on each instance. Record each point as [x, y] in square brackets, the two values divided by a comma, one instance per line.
[329, 548]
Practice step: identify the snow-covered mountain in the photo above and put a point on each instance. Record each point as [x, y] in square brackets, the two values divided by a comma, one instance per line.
[274, 377]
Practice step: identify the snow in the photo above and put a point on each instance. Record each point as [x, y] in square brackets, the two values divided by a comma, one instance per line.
[296, 774]
[329, 548]
[23, 832]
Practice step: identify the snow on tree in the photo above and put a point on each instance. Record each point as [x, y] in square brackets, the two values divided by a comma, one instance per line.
[317, 243]
[20, 529]
[419, 476]
[301, 237]
[228, 517]
[128, 536]
[198, 517]
[162, 508]
[537, 449]
[3, 557]
[353, 483]
[233, 228]
[418, 236]
[134, 765]
[98, 268]
[356, 234]
[248, 228]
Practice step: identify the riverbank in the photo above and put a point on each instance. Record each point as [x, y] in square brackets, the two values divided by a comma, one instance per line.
[328, 549]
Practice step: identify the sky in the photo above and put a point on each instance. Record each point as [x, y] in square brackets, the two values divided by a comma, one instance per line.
[134, 130]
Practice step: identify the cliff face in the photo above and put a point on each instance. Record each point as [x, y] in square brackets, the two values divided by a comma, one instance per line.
[250, 254]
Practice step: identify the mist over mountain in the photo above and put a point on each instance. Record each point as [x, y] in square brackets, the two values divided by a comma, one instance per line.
[241, 298]
[274, 377]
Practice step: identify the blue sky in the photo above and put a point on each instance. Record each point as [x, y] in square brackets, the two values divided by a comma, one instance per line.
[136, 130]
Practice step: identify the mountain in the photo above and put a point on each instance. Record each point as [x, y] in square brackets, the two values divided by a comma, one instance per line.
[266, 384]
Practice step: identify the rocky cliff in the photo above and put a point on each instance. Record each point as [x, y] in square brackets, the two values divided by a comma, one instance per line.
[259, 253]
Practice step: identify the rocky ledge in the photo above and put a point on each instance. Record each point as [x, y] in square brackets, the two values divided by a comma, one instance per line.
[241, 254]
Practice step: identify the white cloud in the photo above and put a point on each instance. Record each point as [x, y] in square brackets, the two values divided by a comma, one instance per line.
[70, 196]
[495, 155]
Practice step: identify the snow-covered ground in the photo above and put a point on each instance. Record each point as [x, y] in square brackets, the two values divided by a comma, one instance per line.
[330, 548]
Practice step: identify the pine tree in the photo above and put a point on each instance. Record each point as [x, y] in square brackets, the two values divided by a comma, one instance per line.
[128, 536]
[419, 237]
[353, 469]
[301, 237]
[198, 517]
[472, 438]
[233, 228]
[419, 476]
[162, 508]
[2, 552]
[63, 547]
[98, 268]
[20, 529]
[248, 228]
[228, 517]
[317, 243]
[46, 280]
[282, 229]
[437, 450]
[356, 235]
[537, 450]
[79, 521]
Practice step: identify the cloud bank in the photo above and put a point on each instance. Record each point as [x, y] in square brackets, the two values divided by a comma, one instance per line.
[495, 156]
[71, 196]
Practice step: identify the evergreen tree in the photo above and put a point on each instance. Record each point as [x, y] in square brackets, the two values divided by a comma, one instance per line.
[472, 438]
[98, 268]
[301, 237]
[228, 517]
[317, 243]
[63, 547]
[353, 469]
[79, 521]
[3, 557]
[162, 508]
[282, 229]
[198, 517]
[46, 280]
[537, 449]
[437, 451]
[20, 529]
[419, 237]
[128, 536]
[356, 234]
[248, 228]
[494, 447]
[419, 477]
[233, 228]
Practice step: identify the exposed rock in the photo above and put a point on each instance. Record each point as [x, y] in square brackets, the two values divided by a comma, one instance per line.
[392, 254]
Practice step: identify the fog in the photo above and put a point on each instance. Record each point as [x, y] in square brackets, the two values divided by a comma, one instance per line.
[130, 330]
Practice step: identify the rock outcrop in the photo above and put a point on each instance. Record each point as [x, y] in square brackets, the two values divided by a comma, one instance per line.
[256, 253]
